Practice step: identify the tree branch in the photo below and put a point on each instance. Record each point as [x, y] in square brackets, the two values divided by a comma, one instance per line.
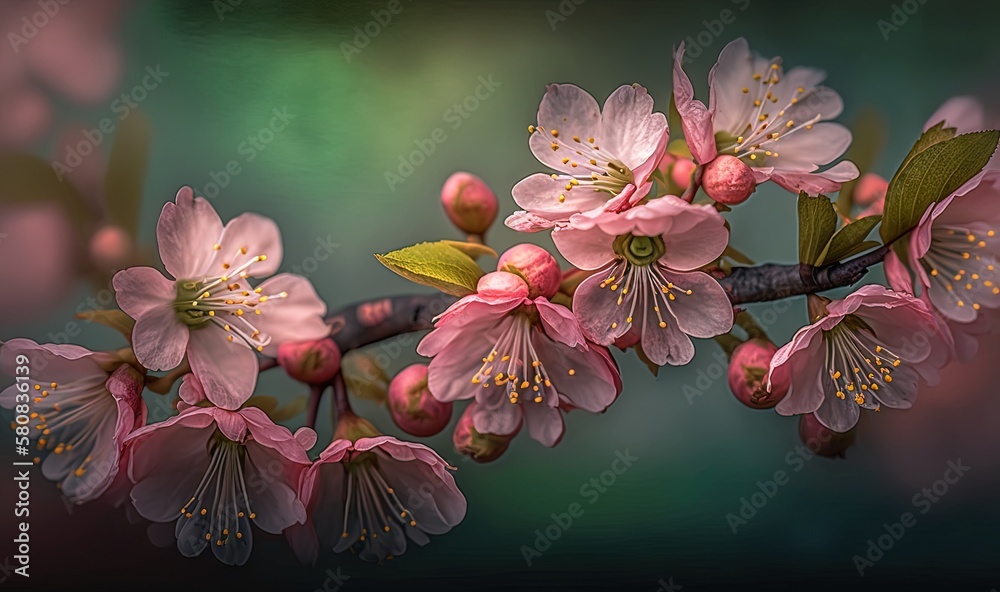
[364, 323]
[763, 283]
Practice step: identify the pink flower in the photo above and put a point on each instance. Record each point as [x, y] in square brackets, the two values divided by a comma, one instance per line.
[604, 160]
[869, 351]
[648, 257]
[372, 495]
[210, 311]
[82, 406]
[952, 262]
[521, 358]
[213, 471]
[772, 120]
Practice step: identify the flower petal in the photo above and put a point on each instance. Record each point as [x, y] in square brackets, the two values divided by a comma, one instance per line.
[139, 289]
[245, 237]
[227, 370]
[706, 311]
[159, 338]
[187, 233]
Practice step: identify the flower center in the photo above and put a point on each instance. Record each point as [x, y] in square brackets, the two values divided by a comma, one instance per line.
[598, 169]
[639, 250]
[859, 364]
[962, 262]
[372, 500]
[757, 139]
[641, 286]
[226, 301]
[513, 363]
[220, 506]
[70, 417]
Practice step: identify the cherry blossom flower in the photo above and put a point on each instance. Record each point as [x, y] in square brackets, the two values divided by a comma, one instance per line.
[210, 311]
[774, 121]
[521, 358]
[648, 260]
[374, 495]
[83, 405]
[213, 471]
[867, 350]
[952, 263]
[604, 160]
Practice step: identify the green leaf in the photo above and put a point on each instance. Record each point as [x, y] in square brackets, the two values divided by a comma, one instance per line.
[127, 171]
[935, 135]
[848, 238]
[474, 250]
[817, 223]
[931, 175]
[438, 265]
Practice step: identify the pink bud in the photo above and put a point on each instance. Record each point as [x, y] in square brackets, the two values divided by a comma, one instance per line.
[536, 266]
[413, 408]
[822, 440]
[870, 189]
[469, 203]
[681, 172]
[501, 284]
[110, 248]
[665, 163]
[311, 362]
[727, 180]
[482, 448]
[748, 366]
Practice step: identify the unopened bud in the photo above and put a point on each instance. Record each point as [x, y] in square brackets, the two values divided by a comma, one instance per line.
[411, 405]
[110, 248]
[479, 447]
[871, 188]
[353, 428]
[681, 173]
[823, 441]
[501, 284]
[748, 368]
[536, 266]
[728, 180]
[470, 204]
[311, 362]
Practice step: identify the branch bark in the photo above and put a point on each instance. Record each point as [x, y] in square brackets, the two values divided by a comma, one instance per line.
[364, 323]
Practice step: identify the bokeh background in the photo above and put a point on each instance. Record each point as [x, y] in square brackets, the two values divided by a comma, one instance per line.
[227, 65]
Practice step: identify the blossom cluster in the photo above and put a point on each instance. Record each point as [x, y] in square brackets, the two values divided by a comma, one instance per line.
[638, 217]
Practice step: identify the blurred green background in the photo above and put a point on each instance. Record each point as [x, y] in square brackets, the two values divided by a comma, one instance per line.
[354, 114]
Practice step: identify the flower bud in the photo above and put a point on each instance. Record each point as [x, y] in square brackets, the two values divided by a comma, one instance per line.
[823, 441]
[870, 189]
[727, 180]
[411, 405]
[353, 428]
[502, 284]
[482, 448]
[536, 266]
[748, 366]
[470, 204]
[681, 173]
[110, 248]
[311, 362]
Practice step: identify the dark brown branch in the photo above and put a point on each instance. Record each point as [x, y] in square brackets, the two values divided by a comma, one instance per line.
[763, 283]
[365, 323]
